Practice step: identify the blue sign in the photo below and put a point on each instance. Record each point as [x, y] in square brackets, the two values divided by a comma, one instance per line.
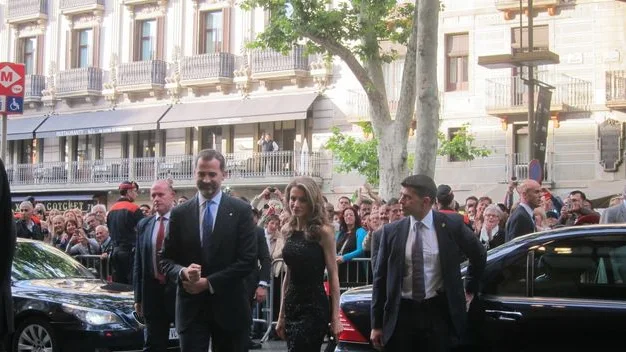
[14, 105]
[535, 171]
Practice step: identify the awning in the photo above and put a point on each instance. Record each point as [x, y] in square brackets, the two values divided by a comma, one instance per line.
[123, 120]
[54, 198]
[230, 112]
[22, 127]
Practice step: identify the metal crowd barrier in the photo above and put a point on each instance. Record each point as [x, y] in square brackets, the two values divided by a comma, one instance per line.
[357, 272]
[265, 313]
[93, 261]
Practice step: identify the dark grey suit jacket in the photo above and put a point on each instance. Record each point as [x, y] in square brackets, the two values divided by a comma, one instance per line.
[454, 239]
[262, 270]
[614, 215]
[233, 256]
[152, 296]
[7, 251]
[519, 224]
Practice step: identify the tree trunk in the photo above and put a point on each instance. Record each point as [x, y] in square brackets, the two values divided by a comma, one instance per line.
[392, 149]
[428, 99]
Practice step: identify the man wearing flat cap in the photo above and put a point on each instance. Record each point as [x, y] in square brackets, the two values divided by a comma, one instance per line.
[122, 222]
[418, 298]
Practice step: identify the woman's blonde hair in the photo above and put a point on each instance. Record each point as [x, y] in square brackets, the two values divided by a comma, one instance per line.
[317, 219]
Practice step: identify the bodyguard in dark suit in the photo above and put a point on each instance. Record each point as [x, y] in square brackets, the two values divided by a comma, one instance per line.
[258, 281]
[154, 294]
[418, 298]
[7, 251]
[521, 222]
[210, 249]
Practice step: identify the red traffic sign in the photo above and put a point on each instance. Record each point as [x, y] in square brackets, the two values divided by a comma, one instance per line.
[12, 79]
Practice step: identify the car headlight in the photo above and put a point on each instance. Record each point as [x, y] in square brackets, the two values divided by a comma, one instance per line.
[92, 316]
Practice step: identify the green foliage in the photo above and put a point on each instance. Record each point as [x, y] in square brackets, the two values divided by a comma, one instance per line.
[461, 146]
[356, 155]
[345, 24]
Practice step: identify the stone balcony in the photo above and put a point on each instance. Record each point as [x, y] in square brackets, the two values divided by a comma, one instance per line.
[79, 83]
[510, 7]
[73, 7]
[508, 96]
[207, 69]
[244, 169]
[616, 89]
[22, 11]
[141, 76]
[267, 65]
[34, 85]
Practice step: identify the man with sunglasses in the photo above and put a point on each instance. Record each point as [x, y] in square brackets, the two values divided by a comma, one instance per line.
[26, 226]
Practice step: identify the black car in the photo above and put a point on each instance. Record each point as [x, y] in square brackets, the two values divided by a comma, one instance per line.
[559, 290]
[61, 306]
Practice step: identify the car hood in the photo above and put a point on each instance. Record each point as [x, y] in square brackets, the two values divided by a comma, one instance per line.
[88, 293]
[357, 294]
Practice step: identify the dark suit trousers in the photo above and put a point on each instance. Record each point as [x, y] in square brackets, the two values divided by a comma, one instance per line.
[158, 319]
[203, 330]
[423, 326]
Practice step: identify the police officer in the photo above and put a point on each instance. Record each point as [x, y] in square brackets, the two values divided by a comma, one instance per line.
[122, 221]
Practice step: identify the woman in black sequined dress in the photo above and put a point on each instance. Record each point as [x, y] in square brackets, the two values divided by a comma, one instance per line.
[309, 250]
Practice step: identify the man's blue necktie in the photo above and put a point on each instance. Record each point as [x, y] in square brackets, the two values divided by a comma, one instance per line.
[207, 228]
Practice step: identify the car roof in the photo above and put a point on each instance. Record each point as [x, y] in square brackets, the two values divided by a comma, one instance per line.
[559, 233]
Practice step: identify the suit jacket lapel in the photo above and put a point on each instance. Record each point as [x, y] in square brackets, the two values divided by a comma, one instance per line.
[222, 221]
[402, 237]
[194, 209]
[149, 230]
[441, 232]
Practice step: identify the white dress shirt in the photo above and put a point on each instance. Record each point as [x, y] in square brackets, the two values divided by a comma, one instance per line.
[155, 233]
[214, 206]
[433, 280]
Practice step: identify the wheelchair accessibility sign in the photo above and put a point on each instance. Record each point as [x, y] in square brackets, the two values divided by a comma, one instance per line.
[11, 105]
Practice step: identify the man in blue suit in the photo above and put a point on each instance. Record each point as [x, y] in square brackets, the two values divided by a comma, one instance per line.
[155, 297]
[418, 297]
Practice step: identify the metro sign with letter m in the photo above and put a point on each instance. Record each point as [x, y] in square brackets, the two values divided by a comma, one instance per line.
[12, 87]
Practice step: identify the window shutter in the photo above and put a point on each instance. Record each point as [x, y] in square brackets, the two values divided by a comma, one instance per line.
[226, 13]
[160, 38]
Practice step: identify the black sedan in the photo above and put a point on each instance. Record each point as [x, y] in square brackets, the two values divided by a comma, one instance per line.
[61, 306]
[558, 290]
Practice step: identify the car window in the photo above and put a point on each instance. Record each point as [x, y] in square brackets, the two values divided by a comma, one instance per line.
[508, 278]
[592, 267]
[37, 260]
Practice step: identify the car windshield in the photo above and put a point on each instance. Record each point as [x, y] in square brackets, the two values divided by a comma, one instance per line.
[37, 260]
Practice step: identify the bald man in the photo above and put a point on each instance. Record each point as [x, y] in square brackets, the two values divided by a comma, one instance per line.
[521, 222]
[154, 294]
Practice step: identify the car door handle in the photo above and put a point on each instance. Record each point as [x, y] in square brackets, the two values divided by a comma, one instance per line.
[504, 315]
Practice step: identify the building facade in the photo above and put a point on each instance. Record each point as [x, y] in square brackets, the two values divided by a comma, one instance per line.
[132, 89]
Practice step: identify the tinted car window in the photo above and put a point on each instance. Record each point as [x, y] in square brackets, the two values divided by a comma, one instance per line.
[509, 278]
[36, 260]
[593, 267]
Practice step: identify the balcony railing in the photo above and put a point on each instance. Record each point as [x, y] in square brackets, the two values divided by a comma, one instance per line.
[207, 68]
[264, 62]
[616, 89]
[34, 85]
[240, 166]
[509, 95]
[79, 82]
[517, 166]
[142, 75]
[26, 9]
[72, 6]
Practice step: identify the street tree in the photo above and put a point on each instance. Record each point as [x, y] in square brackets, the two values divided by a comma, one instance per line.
[353, 31]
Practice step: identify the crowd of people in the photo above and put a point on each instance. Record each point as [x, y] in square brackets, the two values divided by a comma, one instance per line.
[230, 247]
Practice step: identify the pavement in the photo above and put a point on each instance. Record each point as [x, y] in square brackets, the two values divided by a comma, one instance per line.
[278, 346]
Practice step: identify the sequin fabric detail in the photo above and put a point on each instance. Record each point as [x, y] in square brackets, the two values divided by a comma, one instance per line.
[306, 304]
